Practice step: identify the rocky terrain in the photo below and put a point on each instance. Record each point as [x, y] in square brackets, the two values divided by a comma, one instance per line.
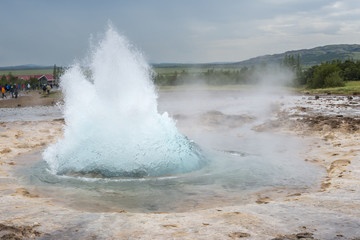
[332, 211]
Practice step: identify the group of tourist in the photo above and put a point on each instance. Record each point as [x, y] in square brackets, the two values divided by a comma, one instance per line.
[13, 89]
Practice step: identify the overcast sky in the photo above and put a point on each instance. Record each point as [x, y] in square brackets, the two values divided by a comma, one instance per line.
[48, 32]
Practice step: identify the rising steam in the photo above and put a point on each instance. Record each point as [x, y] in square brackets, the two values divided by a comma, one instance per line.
[112, 126]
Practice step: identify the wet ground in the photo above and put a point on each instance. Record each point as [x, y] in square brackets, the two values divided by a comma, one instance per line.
[318, 132]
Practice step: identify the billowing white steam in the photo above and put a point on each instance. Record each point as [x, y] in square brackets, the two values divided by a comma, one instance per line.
[113, 127]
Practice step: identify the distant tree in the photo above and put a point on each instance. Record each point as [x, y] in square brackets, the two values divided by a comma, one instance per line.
[326, 75]
[11, 79]
[308, 74]
[3, 80]
[34, 83]
[334, 80]
[55, 72]
[294, 65]
[350, 70]
[60, 72]
[183, 77]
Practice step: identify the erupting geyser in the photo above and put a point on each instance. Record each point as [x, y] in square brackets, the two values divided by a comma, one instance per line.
[112, 126]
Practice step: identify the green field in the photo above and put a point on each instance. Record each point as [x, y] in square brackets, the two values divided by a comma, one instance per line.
[27, 72]
[350, 88]
[172, 70]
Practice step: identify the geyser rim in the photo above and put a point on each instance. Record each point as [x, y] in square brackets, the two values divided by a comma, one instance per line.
[207, 157]
[113, 179]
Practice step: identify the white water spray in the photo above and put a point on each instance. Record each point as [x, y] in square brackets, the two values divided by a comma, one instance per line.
[112, 126]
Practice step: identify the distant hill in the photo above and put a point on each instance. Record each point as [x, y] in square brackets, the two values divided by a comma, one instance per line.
[309, 57]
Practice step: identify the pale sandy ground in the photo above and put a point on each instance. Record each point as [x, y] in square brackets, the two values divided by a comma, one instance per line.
[331, 212]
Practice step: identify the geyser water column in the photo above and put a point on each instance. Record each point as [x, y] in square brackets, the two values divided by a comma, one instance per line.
[112, 125]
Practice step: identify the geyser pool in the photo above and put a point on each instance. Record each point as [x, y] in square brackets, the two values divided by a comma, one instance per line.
[118, 153]
[243, 163]
[113, 128]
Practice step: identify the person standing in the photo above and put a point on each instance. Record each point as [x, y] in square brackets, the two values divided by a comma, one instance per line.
[48, 88]
[16, 91]
[3, 92]
[12, 90]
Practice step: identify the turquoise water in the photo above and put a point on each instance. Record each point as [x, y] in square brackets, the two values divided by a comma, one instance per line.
[237, 168]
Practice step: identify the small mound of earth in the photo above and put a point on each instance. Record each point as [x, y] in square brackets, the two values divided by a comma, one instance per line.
[311, 122]
[18, 232]
[304, 235]
[350, 124]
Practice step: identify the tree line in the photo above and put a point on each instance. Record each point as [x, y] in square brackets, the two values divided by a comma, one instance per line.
[332, 74]
[207, 76]
[324, 75]
[215, 76]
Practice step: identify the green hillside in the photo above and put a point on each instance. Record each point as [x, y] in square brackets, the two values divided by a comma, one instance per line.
[310, 57]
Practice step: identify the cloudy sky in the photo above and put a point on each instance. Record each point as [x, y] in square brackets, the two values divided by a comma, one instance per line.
[48, 32]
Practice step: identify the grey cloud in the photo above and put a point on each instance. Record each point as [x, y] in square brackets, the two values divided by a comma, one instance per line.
[48, 32]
